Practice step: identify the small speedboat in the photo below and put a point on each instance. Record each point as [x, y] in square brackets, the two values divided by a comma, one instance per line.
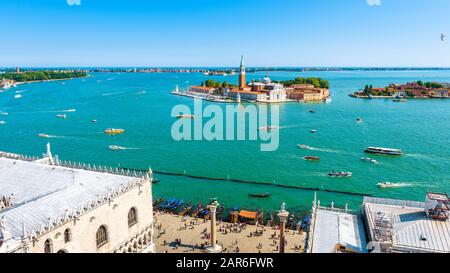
[368, 159]
[385, 185]
[260, 195]
[267, 128]
[43, 135]
[94, 121]
[113, 131]
[400, 100]
[303, 146]
[17, 96]
[61, 116]
[116, 148]
[4, 113]
[359, 120]
[340, 174]
[312, 111]
[313, 131]
[312, 158]
[2, 122]
[186, 116]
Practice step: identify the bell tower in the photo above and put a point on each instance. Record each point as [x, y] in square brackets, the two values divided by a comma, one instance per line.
[242, 79]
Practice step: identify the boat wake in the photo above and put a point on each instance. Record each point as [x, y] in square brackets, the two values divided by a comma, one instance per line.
[120, 148]
[112, 94]
[324, 150]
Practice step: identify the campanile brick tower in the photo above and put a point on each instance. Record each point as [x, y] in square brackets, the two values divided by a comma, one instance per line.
[242, 80]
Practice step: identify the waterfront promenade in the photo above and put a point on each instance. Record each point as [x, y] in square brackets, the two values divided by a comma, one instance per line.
[191, 234]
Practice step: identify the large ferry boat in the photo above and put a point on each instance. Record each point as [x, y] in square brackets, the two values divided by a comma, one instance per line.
[383, 151]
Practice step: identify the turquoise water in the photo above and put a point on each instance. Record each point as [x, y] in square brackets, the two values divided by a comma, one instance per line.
[419, 127]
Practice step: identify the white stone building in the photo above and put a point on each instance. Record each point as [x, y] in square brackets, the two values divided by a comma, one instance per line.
[55, 207]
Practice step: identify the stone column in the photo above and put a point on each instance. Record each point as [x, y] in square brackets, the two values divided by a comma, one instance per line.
[214, 248]
[282, 214]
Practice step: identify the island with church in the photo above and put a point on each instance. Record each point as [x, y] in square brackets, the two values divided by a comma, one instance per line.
[261, 91]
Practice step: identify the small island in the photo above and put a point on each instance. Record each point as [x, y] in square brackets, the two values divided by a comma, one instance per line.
[264, 91]
[10, 79]
[419, 89]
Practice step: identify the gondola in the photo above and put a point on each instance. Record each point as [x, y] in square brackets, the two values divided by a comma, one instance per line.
[260, 195]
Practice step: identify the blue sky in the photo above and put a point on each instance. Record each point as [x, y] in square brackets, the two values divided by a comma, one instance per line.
[217, 32]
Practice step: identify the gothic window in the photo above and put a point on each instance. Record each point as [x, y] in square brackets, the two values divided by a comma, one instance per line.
[132, 217]
[102, 236]
[67, 235]
[48, 246]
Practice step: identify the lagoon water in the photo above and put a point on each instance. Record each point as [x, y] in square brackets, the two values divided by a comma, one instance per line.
[419, 127]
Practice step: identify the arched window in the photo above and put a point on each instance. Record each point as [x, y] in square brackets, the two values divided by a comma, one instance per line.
[132, 217]
[48, 246]
[102, 236]
[67, 235]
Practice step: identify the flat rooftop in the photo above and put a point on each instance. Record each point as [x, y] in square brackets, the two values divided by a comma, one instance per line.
[408, 225]
[335, 227]
[42, 192]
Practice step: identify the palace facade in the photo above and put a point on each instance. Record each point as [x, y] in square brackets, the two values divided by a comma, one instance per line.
[52, 206]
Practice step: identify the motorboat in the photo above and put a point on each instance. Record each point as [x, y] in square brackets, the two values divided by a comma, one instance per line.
[94, 121]
[303, 146]
[340, 174]
[400, 100]
[43, 135]
[368, 159]
[116, 148]
[383, 151]
[313, 131]
[359, 119]
[312, 158]
[61, 116]
[385, 185]
[2, 122]
[267, 128]
[186, 116]
[4, 113]
[17, 96]
[312, 111]
[113, 131]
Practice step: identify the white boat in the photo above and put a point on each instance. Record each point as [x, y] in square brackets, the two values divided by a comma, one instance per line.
[43, 135]
[61, 116]
[359, 120]
[383, 151]
[2, 122]
[306, 147]
[267, 128]
[4, 113]
[385, 185]
[368, 159]
[313, 131]
[186, 116]
[17, 96]
[116, 147]
[340, 174]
